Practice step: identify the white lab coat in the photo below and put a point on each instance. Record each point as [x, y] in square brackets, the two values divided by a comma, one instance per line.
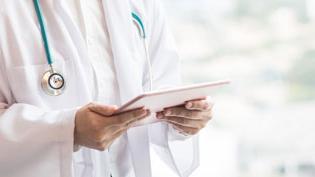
[36, 130]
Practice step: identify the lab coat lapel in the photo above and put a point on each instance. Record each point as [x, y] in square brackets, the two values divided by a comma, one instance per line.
[79, 55]
[129, 76]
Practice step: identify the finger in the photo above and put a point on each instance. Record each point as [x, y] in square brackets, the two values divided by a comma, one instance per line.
[118, 132]
[105, 110]
[182, 112]
[121, 122]
[185, 122]
[109, 141]
[186, 130]
[126, 118]
[159, 115]
[117, 128]
[202, 105]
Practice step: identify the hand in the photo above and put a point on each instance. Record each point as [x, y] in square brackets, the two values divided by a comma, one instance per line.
[190, 118]
[96, 127]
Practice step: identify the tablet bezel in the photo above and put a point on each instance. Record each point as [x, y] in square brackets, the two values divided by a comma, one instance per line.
[167, 91]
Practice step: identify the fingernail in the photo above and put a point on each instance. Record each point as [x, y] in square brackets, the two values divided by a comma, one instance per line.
[143, 112]
[189, 105]
[206, 106]
[168, 112]
[159, 115]
[114, 106]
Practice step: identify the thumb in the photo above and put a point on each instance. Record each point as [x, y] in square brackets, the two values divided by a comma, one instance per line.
[105, 110]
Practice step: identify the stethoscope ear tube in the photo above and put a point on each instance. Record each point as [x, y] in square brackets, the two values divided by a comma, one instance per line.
[140, 25]
[136, 18]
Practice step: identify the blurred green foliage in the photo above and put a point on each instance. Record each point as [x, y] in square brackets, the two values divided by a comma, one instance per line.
[301, 78]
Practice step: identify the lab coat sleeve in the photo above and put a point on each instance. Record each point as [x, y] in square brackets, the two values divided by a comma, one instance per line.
[33, 141]
[166, 73]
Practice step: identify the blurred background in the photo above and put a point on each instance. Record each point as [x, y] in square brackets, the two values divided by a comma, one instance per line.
[264, 123]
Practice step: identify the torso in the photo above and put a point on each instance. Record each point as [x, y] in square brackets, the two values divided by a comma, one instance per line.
[84, 57]
[89, 16]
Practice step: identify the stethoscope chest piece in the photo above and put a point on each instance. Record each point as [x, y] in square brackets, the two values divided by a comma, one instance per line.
[53, 83]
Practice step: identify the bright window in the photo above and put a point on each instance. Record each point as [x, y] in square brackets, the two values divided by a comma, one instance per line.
[264, 123]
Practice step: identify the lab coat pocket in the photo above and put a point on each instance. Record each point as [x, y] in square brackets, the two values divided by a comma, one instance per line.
[25, 83]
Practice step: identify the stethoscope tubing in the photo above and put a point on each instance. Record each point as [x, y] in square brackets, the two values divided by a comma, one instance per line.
[43, 32]
[143, 35]
[49, 58]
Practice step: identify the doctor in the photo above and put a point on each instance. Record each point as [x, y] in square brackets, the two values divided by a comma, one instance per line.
[57, 56]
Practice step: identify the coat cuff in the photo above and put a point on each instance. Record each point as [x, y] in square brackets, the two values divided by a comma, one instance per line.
[66, 140]
[66, 130]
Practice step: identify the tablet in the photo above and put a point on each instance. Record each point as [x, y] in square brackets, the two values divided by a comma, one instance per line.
[156, 101]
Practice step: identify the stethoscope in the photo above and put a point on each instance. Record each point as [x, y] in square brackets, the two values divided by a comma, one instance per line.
[53, 83]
